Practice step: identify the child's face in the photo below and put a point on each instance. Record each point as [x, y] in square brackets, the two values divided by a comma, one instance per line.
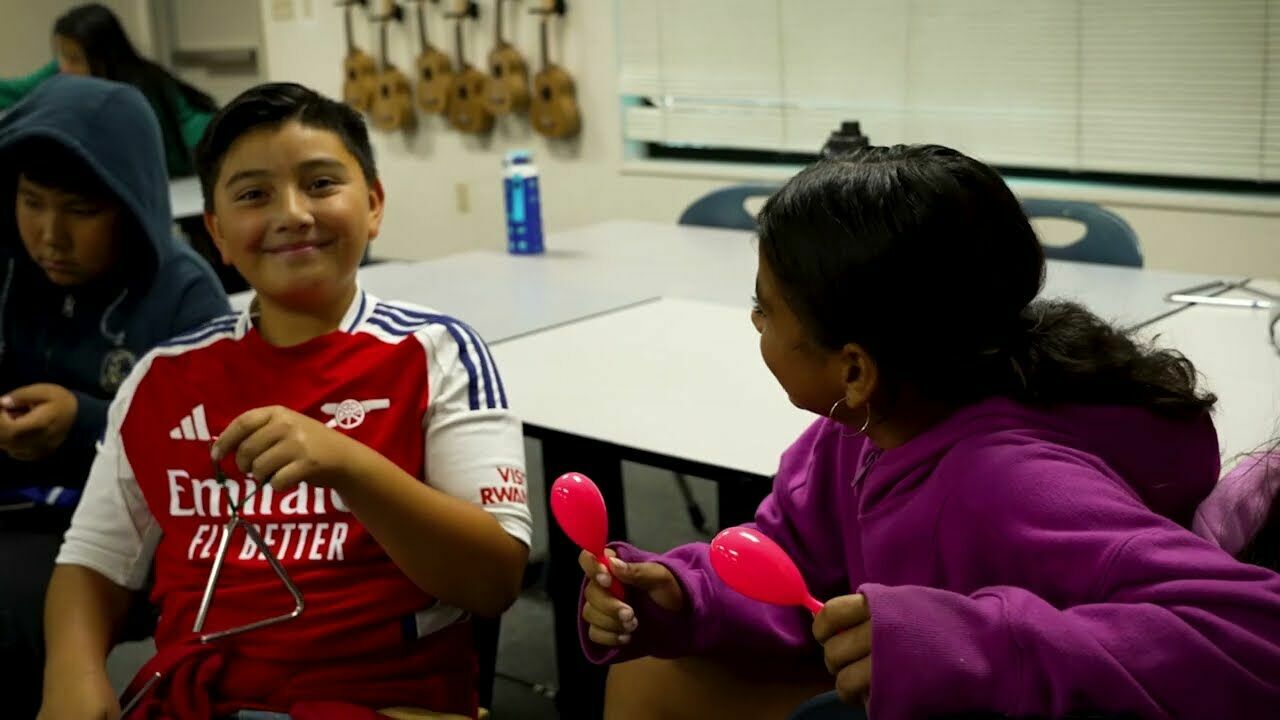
[71, 57]
[293, 213]
[812, 376]
[73, 238]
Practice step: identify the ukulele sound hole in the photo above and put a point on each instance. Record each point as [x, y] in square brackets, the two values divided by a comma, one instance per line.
[497, 71]
[546, 94]
[351, 75]
[386, 91]
[462, 92]
[426, 74]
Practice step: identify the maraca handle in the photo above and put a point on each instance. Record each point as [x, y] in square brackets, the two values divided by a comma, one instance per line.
[812, 605]
[615, 587]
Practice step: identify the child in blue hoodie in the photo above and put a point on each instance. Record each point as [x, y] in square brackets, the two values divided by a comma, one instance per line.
[90, 279]
[994, 499]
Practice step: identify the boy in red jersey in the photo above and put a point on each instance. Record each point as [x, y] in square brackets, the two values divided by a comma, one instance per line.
[369, 442]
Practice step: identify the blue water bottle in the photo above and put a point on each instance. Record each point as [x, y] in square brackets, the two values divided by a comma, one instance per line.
[524, 209]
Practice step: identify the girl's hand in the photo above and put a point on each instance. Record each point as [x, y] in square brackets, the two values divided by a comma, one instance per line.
[844, 629]
[611, 620]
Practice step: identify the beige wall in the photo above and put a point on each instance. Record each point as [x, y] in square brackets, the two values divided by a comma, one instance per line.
[1241, 243]
[444, 189]
[222, 25]
[27, 25]
[24, 34]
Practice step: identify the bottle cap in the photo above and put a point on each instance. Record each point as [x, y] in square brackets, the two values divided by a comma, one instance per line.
[847, 138]
[518, 157]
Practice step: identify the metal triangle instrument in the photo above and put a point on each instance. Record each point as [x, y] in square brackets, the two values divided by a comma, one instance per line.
[224, 543]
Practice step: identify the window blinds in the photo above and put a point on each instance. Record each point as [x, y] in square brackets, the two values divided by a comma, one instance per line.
[1164, 87]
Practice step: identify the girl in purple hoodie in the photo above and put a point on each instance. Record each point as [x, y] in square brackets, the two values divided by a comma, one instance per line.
[994, 498]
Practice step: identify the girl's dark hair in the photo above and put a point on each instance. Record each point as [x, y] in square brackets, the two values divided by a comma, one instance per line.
[1264, 548]
[111, 56]
[924, 257]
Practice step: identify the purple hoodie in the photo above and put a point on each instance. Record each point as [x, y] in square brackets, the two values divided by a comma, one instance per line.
[1024, 561]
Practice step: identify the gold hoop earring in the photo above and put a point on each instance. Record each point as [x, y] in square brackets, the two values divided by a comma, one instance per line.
[831, 415]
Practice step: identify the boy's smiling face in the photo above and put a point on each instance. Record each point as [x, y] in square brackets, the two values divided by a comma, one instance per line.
[293, 213]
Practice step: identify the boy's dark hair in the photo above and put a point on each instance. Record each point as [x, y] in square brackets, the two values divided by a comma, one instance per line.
[53, 165]
[925, 258]
[271, 105]
[112, 57]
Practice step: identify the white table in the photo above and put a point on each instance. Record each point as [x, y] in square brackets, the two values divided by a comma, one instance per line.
[185, 198]
[1231, 348]
[720, 266]
[682, 380]
[616, 264]
[677, 379]
[500, 295]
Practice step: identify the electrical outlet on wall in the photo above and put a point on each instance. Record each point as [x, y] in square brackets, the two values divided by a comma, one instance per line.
[463, 192]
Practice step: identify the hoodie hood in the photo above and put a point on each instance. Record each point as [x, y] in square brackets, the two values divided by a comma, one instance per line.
[112, 128]
[1171, 464]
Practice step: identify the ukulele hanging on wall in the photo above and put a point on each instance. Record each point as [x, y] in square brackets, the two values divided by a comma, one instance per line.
[467, 112]
[393, 102]
[359, 70]
[507, 88]
[553, 111]
[435, 70]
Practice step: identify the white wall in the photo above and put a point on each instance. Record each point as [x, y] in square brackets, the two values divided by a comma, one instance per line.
[25, 33]
[445, 189]
[203, 25]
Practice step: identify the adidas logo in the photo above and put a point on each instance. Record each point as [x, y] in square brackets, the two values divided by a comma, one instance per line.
[193, 426]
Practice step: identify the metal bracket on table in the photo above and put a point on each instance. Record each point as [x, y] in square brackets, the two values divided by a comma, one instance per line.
[1211, 294]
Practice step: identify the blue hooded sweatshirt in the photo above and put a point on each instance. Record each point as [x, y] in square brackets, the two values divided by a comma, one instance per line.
[87, 338]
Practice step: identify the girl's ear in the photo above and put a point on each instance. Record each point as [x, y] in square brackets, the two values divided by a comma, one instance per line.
[861, 377]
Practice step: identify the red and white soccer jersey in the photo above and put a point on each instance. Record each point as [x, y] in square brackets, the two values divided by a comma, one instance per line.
[417, 386]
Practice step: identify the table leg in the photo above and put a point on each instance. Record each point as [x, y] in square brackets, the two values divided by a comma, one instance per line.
[738, 500]
[581, 693]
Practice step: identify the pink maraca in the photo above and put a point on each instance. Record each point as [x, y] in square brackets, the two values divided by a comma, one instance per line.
[755, 566]
[579, 510]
